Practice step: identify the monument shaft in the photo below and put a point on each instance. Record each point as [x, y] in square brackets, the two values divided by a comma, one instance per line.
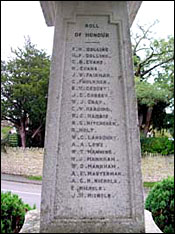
[91, 176]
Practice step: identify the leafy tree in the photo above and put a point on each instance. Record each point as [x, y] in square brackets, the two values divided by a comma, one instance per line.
[24, 90]
[154, 76]
[152, 103]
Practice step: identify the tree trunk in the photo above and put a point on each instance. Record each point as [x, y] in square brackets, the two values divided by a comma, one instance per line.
[36, 131]
[140, 120]
[22, 132]
[148, 120]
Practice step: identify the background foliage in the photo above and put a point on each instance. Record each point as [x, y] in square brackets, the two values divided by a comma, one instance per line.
[154, 80]
[24, 88]
[161, 145]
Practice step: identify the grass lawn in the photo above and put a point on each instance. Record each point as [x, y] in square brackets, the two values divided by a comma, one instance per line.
[149, 184]
[34, 177]
[5, 131]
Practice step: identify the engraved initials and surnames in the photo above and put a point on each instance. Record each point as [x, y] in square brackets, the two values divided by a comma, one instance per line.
[98, 160]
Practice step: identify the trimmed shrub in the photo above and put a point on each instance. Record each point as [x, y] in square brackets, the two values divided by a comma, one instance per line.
[13, 140]
[12, 212]
[161, 145]
[160, 202]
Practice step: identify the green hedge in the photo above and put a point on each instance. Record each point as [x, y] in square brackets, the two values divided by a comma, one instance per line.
[12, 212]
[13, 140]
[161, 145]
[160, 202]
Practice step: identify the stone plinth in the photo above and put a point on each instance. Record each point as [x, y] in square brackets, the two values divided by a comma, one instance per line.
[32, 223]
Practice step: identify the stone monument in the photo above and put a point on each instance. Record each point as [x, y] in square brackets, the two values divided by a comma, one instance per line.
[92, 164]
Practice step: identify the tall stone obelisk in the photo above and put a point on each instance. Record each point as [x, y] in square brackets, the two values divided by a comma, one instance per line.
[92, 164]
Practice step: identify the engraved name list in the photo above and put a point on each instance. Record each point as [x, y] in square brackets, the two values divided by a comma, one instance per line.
[97, 169]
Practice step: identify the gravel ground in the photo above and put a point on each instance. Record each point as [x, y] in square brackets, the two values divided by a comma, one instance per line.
[156, 168]
[28, 162]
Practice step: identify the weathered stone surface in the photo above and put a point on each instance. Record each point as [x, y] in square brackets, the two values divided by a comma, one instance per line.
[48, 8]
[32, 220]
[92, 173]
[133, 7]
